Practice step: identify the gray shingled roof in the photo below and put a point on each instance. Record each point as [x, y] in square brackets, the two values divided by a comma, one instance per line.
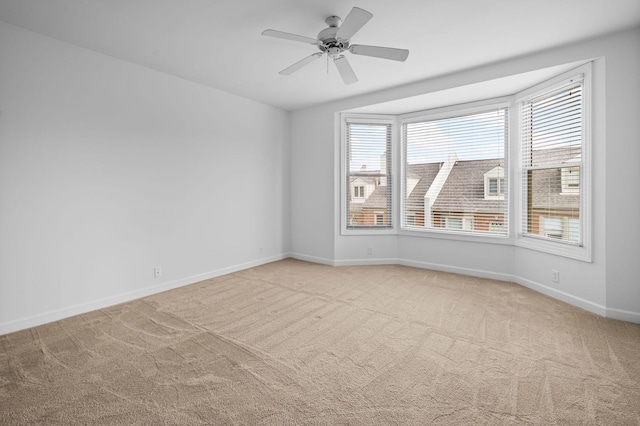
[464, 189]
[547, 191]
[547, 183]
[377, 199]
[427, 173]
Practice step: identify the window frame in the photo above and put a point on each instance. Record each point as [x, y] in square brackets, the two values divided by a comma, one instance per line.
[512, 172]
[345, 119]
[560, 248]
[451, 111]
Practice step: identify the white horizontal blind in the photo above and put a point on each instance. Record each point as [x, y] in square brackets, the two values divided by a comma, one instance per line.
[455, 173]
[368, 184]
[552, 148]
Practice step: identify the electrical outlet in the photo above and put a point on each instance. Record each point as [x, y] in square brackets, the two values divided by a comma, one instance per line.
[369, 251]
[261, 250]
[157, 272]
[555, 276]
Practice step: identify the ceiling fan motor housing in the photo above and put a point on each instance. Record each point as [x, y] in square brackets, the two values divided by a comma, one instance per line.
[329, 42]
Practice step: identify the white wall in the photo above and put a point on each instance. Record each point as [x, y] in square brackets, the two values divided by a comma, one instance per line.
[622, 190]
[108, 169]
[312, 186]
[610, 285]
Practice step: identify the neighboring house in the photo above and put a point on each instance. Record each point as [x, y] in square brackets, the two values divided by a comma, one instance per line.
[555, 198]
[464, 195]
[374, 209]
[471, 196]
[419, 179]
[361, 188]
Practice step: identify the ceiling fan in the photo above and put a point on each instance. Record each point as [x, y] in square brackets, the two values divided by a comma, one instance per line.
[335, 40]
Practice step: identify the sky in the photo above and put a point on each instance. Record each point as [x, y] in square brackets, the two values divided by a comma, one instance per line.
[471, 137]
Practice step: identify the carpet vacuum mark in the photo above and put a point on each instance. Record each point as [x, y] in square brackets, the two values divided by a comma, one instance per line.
[296, 343]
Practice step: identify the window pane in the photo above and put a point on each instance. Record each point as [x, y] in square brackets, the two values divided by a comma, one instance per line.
[574, 230]
[547, 201]
[552, 159]
[448, 163]
[453, 222]
[368, 172]
[493, 186]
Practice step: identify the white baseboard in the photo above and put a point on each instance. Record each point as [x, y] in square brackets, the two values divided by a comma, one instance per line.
[69, 311]
[480, 273]
[313, 259]
[585, 304]
[55, 315]
[623, 315]
[372, 261]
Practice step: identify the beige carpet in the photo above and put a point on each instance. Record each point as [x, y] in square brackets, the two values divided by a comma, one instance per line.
[297, 343]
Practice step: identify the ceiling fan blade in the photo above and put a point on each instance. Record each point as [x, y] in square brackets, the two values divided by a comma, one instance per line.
[289, 36]
[353, 22]
[345, 70]
[295, 67]
[380, 52]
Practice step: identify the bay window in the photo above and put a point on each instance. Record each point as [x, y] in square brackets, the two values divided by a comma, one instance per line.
[464, 172]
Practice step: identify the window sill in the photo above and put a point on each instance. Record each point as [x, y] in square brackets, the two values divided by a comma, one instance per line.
[555, 248]
[369, 231]
[443, 235]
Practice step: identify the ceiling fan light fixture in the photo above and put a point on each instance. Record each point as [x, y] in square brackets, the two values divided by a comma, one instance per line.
[334, 52]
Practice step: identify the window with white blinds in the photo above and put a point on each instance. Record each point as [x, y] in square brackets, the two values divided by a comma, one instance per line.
[552, 127]
[368, 175]
[455, 172]
[452, 165]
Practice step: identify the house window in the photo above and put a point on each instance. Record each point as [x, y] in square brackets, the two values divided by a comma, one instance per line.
[552, 227]
[553, 147]
[459, 222]
[497, 227]
[367, 163]
[494, 184]
[561, 228]
[571, 180]
[574, 230]
[453, 222]
[454, 169]
[410, 220]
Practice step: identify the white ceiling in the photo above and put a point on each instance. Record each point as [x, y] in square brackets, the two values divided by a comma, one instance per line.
[218, 43]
